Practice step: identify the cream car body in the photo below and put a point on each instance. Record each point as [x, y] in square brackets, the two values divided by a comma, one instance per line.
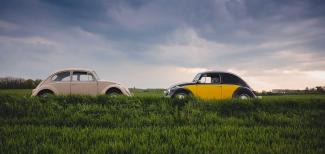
[78, 81]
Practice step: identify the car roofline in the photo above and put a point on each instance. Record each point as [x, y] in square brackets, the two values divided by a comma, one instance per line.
[219, 72]
[225, 72]
[74, 69]
[69, 69]
[216, 72]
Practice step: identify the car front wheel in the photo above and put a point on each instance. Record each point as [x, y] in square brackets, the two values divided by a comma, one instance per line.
[45, 94]
[180, 95]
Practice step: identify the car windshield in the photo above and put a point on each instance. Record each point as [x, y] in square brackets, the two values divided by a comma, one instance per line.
[197, 77]
[61, 76]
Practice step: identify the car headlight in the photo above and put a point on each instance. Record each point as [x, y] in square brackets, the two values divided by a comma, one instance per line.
[167, 91]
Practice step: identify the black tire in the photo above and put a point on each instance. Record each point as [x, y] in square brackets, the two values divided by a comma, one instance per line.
[181, 101]
[113, 92]
[244, 96]
[45, 93]
[181, 95]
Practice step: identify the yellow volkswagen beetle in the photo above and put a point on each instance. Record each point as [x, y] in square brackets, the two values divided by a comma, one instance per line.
[212, 85]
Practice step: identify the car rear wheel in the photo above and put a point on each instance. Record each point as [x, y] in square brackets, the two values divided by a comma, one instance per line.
[244, 97]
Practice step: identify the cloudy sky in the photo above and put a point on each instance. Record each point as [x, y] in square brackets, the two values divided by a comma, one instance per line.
[155, 43]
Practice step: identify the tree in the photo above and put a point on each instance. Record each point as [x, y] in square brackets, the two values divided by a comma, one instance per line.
[320, 89]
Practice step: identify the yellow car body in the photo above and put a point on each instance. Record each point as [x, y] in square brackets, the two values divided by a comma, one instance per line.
[211, 91]
[218, 87]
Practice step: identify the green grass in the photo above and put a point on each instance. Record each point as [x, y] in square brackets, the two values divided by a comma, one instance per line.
[16, 92]
[146, 123]
[147, 92]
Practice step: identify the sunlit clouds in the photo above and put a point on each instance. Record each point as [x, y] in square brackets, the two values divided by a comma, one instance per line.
[152, 44]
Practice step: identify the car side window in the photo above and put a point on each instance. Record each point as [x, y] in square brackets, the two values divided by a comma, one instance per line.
[210, 78]
[205, 79]
[62, 76]
[82, 76]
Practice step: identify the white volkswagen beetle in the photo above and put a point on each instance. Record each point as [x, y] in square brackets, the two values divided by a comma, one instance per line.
[78, 81]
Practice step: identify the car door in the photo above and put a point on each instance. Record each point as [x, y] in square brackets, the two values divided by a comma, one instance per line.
[209, 87]
[84, 83]
[61, 82]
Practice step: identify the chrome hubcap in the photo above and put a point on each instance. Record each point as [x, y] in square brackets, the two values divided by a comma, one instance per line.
[180, 96]
[243, 97]
[45, 95]
[113, 94]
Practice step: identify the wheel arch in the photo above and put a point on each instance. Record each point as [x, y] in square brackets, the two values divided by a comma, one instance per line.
[182, 89]
[36, 91]
[121, 88]
[113, 88]
[45, 90]
[241, 90]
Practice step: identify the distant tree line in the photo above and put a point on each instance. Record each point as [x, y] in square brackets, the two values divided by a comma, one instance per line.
[317, 89]
[18, 83]
[314, 90]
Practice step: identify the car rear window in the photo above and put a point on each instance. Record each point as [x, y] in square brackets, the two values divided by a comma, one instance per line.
[232, 79]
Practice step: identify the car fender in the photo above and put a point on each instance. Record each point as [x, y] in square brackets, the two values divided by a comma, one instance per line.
[180, 89]
[121, 88]
[243, 90]
[47, 87]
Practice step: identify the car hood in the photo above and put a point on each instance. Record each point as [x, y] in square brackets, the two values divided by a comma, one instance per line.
[180, 84]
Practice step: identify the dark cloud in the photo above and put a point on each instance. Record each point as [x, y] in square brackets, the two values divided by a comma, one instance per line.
[150, 20]
[257, 34]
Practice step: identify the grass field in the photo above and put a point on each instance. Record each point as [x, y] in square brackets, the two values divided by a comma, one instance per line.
[16, 92]
[150, 123]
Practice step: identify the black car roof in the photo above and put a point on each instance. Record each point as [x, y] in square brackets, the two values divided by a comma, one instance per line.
[225, 73]
[216, 72]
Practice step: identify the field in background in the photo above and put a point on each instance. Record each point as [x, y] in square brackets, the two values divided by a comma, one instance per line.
[151, 123]
[16, 92]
